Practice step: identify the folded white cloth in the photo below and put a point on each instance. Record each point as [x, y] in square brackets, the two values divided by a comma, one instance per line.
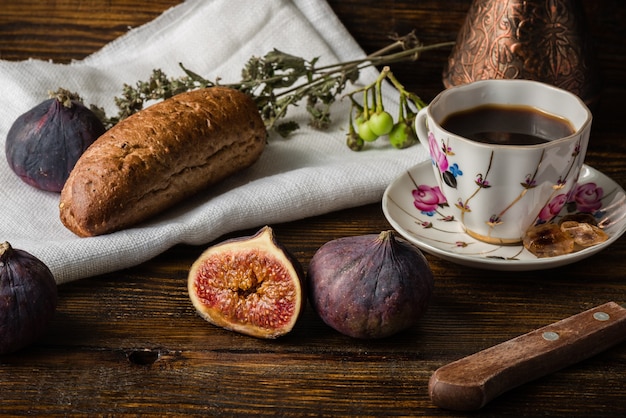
[311, 173]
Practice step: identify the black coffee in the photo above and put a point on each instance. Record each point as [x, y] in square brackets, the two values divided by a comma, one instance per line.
[511, 125]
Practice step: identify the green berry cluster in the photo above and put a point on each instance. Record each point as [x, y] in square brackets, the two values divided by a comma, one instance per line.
[369, 120]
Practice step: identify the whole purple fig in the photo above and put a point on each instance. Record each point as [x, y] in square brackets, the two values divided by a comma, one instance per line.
[28, 298]
[44, 143]
[369, 286]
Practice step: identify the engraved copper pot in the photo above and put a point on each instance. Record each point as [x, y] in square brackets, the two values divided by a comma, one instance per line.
[543, 40]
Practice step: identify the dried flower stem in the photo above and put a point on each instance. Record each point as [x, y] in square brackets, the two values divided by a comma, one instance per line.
[276, 82]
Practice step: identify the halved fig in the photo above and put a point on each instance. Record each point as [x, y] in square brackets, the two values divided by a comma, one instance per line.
[251, 285]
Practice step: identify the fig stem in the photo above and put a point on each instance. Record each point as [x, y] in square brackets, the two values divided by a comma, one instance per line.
[65, 97]
[4, 247]
[386, 235]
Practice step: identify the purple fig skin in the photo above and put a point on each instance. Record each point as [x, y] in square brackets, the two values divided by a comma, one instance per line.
[369, 286]
[28, 298]
[43, 144]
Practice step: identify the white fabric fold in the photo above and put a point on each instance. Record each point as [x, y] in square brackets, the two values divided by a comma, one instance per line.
[309, 174]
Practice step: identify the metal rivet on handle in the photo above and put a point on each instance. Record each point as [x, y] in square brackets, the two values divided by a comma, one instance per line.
[601, 316]
[550, 336]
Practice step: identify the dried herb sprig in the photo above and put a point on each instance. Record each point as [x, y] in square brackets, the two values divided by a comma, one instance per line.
[276, 82]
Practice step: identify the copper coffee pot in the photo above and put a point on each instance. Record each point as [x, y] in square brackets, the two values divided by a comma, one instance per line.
[543, 40]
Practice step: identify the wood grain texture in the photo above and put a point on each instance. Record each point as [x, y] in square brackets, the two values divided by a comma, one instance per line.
[69, 29]
[130, 342]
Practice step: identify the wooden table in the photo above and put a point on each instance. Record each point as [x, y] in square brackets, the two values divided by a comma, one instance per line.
[130, 343]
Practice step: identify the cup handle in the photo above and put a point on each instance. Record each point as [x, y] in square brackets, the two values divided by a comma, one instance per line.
[421, 126]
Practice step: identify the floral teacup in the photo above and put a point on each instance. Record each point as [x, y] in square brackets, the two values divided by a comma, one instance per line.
[498, 191]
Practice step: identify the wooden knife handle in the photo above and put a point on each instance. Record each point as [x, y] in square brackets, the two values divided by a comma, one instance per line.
[473, 381]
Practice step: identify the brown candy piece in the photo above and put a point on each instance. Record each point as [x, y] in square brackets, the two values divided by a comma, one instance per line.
[548, 240]
[580, 217]
[584, 234]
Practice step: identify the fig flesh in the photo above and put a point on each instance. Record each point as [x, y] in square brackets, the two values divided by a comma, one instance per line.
[28, 298]
[369, 286]
[43, 144]
[250, 285]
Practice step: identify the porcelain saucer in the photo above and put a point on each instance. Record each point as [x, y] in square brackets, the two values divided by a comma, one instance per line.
[438, 233]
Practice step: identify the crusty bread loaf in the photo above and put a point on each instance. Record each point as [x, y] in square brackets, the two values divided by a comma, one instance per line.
[159, 156]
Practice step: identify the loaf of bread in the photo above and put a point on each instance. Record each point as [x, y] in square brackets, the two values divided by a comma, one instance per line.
[160, 156]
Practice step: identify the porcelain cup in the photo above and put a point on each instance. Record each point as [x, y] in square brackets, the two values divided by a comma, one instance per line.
[498, 191]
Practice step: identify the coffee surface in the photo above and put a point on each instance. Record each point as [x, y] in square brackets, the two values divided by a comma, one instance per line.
[509, 125]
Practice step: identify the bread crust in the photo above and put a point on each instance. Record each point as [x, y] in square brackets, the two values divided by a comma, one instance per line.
[160, 156]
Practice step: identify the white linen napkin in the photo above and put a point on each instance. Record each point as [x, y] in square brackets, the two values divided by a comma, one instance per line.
[309, 174]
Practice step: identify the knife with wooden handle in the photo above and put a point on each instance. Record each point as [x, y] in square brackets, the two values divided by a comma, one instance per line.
[471, 382]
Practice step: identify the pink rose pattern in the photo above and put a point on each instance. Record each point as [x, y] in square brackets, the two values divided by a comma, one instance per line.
[553, 208]
[427, 199]
[439, 156]
[585, 198]
[436, 153]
